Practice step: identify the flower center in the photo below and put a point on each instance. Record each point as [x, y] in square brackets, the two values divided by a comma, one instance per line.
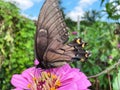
[46, 81]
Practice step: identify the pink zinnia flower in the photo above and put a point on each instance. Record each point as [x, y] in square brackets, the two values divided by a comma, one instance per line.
[62, 78]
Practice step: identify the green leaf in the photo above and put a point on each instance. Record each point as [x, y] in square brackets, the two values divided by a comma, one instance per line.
[116, 82]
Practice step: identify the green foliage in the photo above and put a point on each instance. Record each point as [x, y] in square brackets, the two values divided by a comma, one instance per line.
[116, 83]
[102, 42]
[112, 9]
[16, 43]
[70, 23]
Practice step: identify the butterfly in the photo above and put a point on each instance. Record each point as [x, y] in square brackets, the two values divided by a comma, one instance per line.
[52, 48]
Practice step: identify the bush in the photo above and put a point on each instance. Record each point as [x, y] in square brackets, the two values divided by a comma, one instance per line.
[16, 43]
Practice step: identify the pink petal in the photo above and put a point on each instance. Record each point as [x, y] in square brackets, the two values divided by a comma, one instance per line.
[31, 72]
[18, 89]
[83, 82]
[67, 78]
[72, 75]
[37, 72]
[19, 81]
[36, 62]
[71, 86]
[27, 74]
[60, 71]
[66, 67]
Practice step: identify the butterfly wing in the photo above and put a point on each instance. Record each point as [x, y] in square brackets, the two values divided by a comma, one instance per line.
[51, 32]
[51, 37]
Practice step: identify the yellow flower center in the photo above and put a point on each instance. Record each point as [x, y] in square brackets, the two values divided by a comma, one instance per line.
[46, 81]
[52, 88]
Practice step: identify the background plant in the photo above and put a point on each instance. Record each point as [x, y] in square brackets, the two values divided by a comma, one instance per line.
[16, 43]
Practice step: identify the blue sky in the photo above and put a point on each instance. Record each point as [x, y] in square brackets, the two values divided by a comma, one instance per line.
[73, 8]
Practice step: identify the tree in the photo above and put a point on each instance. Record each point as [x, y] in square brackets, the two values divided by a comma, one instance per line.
[91, 16]
[112, 8]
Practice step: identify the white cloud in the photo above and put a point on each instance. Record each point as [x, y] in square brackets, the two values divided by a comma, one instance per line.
[24, 4]
[78, 10]
[86, 2]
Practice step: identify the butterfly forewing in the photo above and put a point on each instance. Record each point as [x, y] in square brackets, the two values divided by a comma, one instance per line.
[51, 33]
